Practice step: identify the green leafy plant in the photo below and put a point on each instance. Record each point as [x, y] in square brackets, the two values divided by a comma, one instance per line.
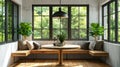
[61, 37]
[96, 30]
[25, 29]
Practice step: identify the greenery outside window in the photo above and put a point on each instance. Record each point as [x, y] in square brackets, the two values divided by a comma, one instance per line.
[60, 24]
[112, 21]
[47, 27]
[105, 20]
[118, 12]
[78, 22]
[2, 21]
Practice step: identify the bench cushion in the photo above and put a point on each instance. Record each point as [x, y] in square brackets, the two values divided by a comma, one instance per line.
[21, 53]
[98, 53]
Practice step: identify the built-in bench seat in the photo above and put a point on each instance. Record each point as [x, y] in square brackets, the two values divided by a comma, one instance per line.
[21, 53]
[76, 51]
[44, 51]
[98, 53]
[53, 51]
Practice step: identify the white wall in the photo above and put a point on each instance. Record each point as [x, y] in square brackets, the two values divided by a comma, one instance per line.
[114, 54]
[5, 53]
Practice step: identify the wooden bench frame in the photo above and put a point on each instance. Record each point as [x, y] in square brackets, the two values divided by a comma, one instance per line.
[24, 53]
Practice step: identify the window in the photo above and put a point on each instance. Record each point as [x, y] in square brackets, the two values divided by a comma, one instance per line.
[41, 22]
[2, 21]
[12, 21]
[60, 24]
[47, 27]
[9, 21]
[15, 22]
[118, 20]
[112, 21]
[105, 20]
[78, 22]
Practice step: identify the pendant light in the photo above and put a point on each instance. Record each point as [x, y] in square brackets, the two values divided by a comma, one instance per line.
[60, 13]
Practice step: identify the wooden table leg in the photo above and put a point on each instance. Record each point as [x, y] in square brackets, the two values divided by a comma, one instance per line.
[60, 57]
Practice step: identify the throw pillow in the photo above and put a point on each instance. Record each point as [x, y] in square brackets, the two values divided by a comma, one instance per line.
[22, 45]
[36, 45]
[85, 45]
[30, 45]
[99, 45]
[92, 45]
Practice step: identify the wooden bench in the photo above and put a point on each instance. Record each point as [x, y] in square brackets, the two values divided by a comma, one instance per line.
[98, 53]
[21, 53]
[53, 51]
[75, 51]
[44, 51]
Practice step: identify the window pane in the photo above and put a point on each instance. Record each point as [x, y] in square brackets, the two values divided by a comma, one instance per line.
[112, 21]
[45, 22]
[75, 34]
[83, 11]
[37, 34]
[105, 11]
[74, 11]
[112, 7]
[45, 34]
[2, 20]
[82, 33]
[59, 24]
[37, 22]
[118, 5]
[74, 23]
[118, 35]
[79, 22]
[41, 22]
[15, 22]
[82, 22]
[118, 19]
[56, 23]
[112, 35]
[9, 21]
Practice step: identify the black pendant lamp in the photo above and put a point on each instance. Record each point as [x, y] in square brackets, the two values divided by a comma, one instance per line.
[60, 13]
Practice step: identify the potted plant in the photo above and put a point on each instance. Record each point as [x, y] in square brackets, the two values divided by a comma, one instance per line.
[61, 38]
[25, 29]
[96, 30]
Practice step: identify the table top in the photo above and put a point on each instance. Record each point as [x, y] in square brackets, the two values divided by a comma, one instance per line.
[66, 46]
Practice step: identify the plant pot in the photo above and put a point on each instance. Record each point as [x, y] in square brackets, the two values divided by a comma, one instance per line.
[61, 44]
[24, 38]
[96, 38]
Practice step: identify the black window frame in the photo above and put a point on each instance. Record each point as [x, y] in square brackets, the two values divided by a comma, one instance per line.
[69, 20]
[116, 20]
[13, 30]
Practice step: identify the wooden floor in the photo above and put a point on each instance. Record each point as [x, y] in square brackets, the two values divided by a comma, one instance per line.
[66, 63]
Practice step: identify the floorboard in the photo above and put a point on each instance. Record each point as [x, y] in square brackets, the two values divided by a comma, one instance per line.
[53, 63]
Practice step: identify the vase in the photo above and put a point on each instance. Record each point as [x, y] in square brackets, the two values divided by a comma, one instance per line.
[61, 44]
[24, 37]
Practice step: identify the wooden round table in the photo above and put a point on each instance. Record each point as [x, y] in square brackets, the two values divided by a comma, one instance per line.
[60, 48]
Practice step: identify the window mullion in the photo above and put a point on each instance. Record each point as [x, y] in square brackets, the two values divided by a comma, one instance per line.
[50, 23]
[69, 23]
